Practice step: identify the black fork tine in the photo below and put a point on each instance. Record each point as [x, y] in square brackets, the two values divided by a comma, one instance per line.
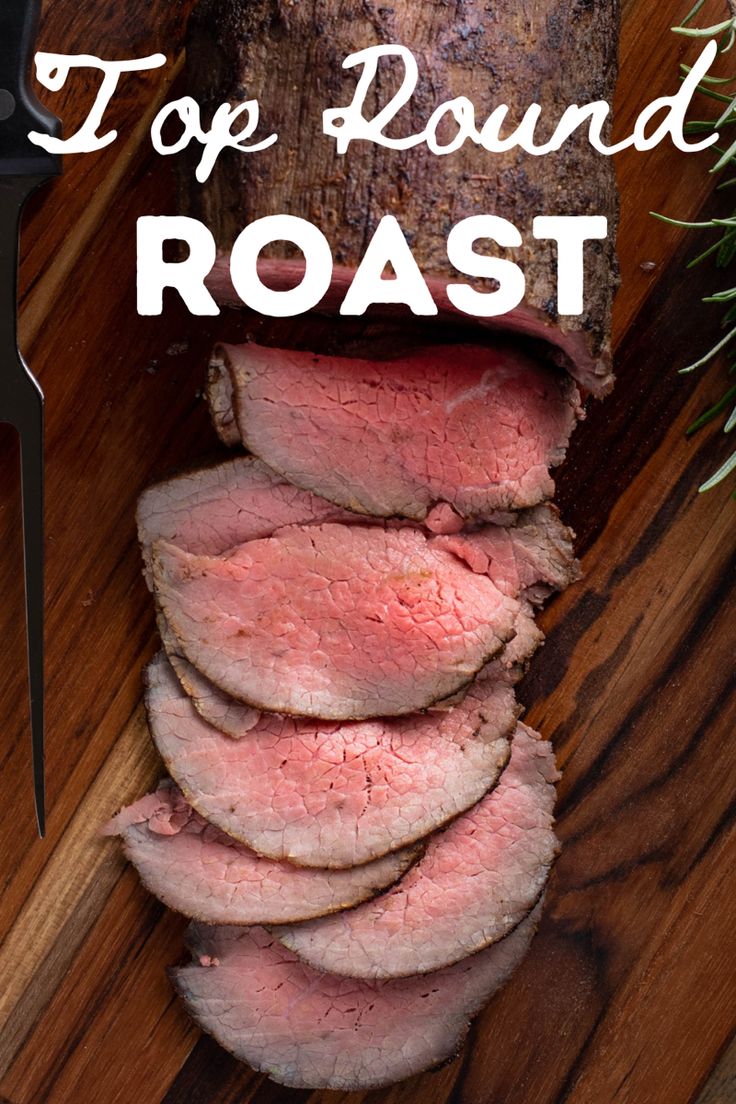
[31, 433]
[21, 405]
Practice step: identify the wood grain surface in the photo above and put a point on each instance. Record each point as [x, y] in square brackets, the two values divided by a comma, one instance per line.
[629, 992]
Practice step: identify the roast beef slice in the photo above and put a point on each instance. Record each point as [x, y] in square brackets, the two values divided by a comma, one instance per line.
[198, 870]
[313, 1030]
[476, 428]
[215, 706]
[333, 794]
[533, 556]
[215, 508]
[333, 621]
[476, 880]
[235, 719]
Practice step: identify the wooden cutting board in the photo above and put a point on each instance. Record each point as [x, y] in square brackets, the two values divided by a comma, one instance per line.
[629, 993]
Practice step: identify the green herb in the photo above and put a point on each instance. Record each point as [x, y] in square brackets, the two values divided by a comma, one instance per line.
[723, 250]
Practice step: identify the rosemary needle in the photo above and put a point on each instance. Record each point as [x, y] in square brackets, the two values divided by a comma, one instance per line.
[714, 411]
[724, 248]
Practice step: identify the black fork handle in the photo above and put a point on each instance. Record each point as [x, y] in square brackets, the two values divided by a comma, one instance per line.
[14, 191]
[20, 110]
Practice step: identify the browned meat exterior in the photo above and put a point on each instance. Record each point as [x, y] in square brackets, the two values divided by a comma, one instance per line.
[476, 428]
[196, 869]
[220, 400]
[219, 394]
[312, 1030]
[475, 882]
[333, 621]
[290, 55]
[327, 794]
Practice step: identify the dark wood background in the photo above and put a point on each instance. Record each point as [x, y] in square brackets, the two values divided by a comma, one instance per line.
[629, 993]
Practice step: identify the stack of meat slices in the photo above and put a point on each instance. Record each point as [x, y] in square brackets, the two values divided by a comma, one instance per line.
[355, 818]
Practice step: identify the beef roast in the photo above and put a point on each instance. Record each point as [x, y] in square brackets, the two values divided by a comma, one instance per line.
[234, 718]
[333, 621]
[317, 1031]
[475, 882]
[549, 53]
[473, 427]
[331, 794]
[197, 869]
[213, 509]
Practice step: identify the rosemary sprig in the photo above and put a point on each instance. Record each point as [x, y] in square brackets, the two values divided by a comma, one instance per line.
[723, 250]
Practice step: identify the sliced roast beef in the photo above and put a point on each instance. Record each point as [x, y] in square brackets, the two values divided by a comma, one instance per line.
[333, 621]
[532, 556]
[318, 1031]
[217, 708]
[331, 794]
[475, 882]
[212, 509]
[473, 427]
[197, 869]
[517, 653]
[234, 718]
